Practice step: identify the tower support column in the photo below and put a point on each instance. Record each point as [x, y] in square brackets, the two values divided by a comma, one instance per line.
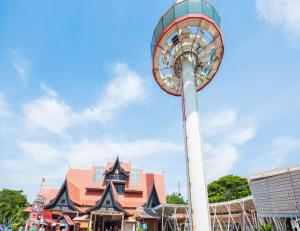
[197, 191]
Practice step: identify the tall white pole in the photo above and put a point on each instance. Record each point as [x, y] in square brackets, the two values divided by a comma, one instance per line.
[198, 201]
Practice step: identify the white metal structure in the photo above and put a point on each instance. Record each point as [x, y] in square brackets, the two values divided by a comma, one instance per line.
[236, 215]
[187, 50]
[173, 217]
[276, 196]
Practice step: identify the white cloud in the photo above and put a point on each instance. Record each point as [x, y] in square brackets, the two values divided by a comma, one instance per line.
[220, 159]
[77, 153]
[125, 89]
[4, 110]
[279, 149]
[50, 92]
[274, 154]
[224, 135]
[42, 159]
[53, 114]
[48, 113]
[240, 136]
[21, 64]
[40, 153]
[24, 174]
[285, 144]
[284, 13]
[219, 121]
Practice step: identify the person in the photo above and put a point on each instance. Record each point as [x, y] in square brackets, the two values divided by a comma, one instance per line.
[77, 227]
[57, 227]
[42, 228]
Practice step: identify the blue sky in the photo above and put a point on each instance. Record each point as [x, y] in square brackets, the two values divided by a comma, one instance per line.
[76, 88]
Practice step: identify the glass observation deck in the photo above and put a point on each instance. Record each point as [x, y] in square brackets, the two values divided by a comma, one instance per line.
[181, 9]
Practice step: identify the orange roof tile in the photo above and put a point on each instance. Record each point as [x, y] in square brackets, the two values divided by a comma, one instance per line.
[48, 193]
[73, 192]
[158, 180]
[125, 166]
[84, 192]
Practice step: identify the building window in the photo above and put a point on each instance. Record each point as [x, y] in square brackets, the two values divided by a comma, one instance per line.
[135, 176]
[116, 177]
[107, 202]
[120, 188]
[63, 201]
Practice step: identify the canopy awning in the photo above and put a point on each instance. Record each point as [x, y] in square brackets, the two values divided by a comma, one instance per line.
[68, 219]
[81, 218]
[48, 221]
[107, 213]
[145, 213]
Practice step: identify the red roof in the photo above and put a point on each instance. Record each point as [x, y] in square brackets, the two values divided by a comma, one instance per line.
[48, 193]
[125, 166]
[84, 192]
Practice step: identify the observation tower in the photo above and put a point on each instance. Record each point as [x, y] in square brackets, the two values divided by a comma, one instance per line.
[187, 50]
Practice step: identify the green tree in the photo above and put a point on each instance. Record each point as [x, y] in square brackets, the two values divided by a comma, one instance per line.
[140, 228]
[175, 198]
[12, 203]
[228, 188]
[266, 227]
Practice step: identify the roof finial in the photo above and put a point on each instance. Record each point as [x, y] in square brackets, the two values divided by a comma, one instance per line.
[42, 182]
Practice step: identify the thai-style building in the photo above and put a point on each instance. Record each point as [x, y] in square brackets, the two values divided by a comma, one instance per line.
[115, 194]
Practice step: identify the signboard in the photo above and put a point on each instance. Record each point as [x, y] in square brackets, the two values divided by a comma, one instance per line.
[37, 207]
[57, 212]
[39, 199]
[36, 214]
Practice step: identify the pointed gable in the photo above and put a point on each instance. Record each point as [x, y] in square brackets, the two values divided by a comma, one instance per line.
[62, 200]
[108, 201]
[153, 199]
[116, 166]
